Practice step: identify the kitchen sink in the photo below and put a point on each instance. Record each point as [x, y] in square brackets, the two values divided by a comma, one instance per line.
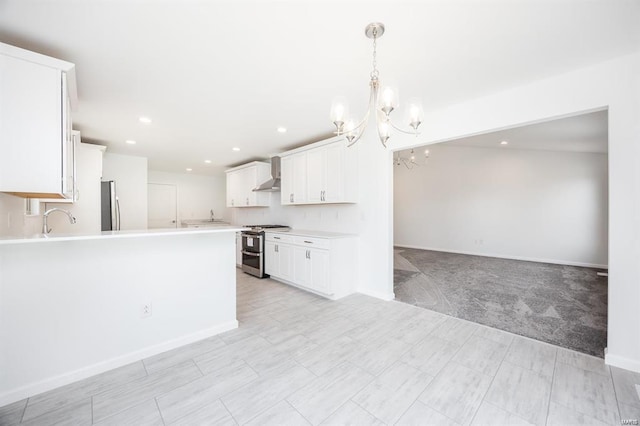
[192, 223]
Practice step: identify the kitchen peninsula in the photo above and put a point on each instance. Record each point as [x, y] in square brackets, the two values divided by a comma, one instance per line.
[74, 306]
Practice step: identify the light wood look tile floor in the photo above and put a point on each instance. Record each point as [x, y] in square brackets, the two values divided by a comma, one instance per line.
[298, 359]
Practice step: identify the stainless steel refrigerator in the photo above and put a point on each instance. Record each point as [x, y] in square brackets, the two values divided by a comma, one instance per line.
[110, 206]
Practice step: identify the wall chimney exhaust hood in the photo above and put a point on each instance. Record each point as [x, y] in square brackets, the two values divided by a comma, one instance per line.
[273, 184]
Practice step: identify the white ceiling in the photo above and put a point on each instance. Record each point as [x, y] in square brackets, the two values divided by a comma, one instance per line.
[217, 74]
[581, 133]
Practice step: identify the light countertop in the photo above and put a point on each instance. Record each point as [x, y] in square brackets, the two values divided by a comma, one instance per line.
[311, 233]
[40, 238]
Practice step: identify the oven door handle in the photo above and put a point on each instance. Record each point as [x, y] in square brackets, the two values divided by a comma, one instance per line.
[248, 253]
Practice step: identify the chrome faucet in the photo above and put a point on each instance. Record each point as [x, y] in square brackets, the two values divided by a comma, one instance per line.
[45, 228]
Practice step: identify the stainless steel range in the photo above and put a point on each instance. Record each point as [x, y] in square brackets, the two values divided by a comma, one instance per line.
[253, 248]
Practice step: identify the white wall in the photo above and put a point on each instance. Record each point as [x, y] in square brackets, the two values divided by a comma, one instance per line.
[13, 221]
[614, 84]
[130, 175]
[86, 209]
[197, 194]
[536, 205]
[83, 315]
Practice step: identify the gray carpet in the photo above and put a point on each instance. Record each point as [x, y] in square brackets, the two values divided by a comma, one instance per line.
[562, 305]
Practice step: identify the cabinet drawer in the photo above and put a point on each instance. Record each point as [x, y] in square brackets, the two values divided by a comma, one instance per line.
[321, 243]
[279, 238]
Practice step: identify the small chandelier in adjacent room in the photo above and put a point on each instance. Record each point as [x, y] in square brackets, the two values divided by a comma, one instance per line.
[382, 100]
[409, 162]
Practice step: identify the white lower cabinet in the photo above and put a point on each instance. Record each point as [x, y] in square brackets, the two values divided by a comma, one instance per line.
[323, 265]
[279, 260]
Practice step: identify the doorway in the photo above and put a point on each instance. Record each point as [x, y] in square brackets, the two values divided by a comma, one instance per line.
[162, 206]
[510, 229]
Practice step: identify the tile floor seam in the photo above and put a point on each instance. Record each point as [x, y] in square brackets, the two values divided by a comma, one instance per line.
[92, 422]
[228, 411]
[438, 411]
[373, 379]
[145, 367]
[615, 393]
[367, 411]
[159, 411]
[493, 378]
[154, 396]
[460, 348]
[301, 415]
[337, 409]
[198, 367]
[553, 380]
[24, 410]
[53, 411]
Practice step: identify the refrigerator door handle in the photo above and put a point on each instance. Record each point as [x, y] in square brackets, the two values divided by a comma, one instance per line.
[117, 214]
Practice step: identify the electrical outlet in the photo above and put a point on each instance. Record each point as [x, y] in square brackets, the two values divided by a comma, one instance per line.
[145, 310]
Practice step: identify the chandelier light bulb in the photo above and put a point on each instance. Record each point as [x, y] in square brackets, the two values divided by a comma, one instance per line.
[415, 114]
[388, 100]
[350, 129]
[384, 131]
[339, 111]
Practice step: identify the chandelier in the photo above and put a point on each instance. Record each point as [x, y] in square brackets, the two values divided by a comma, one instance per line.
[410, 161]
[382, 100]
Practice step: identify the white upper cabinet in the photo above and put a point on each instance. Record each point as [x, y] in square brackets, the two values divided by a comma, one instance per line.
[37, 145]
[323, 172]
[293, 189]
[242, 180]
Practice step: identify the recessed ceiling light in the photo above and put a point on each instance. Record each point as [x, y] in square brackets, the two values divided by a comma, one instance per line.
[235, 148]
[282, 129]
[130, 142]
[504, 143]
[207, 161]
[145, 120]
[189, 169]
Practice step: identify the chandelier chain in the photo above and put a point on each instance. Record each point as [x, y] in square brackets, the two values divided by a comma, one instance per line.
[374, 71]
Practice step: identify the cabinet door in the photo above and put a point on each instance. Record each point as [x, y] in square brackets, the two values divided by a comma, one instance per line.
[271, 259]
[302, 266]
[232, 188]
[319, 274]
[285, 261]
[334, 173]
[300, 178]
[249, 179]
[286, 180]
[316, 165]
[293, 178]
[30, 127]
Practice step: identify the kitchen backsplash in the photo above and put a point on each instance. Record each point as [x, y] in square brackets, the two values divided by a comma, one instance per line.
[13, 221]
[328, 217]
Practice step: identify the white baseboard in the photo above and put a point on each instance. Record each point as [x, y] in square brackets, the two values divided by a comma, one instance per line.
[100, 367]
[622, 362]
[378, 294]
[502, 256]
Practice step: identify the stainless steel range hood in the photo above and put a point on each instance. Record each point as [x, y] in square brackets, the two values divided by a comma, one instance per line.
[273, 184]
